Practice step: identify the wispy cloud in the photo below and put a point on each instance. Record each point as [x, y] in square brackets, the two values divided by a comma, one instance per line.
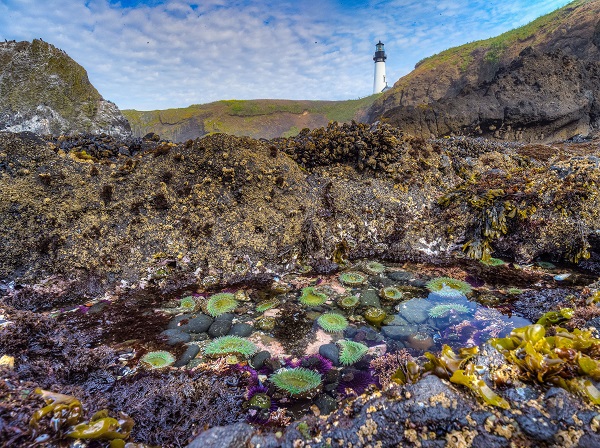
[150, 54]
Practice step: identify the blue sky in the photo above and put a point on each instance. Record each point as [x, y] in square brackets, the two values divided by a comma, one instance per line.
[156, 54]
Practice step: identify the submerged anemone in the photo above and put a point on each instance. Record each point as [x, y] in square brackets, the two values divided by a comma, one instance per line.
[267, 305]
[348, 302]
[230, 345]
[390, 293]
[297, 382]
[311, 297]
[375, 316]
[448, 287]
[221, 303]
[351, 352]
[373, 268]
[444, 309]
[332, 322]
[352, 278]
[157, 360]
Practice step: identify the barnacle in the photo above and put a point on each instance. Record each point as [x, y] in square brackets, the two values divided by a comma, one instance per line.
[351, 352]
[390, 293]
[230, 345]
[221, 303]
[310, 296]
[157, 360]
[332, 322]
[297, 382]
[352, 278]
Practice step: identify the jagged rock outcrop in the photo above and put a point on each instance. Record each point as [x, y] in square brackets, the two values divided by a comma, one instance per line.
[43, 90]
[536, 83]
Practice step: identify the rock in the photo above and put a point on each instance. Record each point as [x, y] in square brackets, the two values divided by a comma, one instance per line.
[189, 354]
[397, 320]
[399, 331]
[175, 336]
[370, 297]
[232, 436]
[401, 277]
[242, 330]
[331, 352]
[415, 310]
[179, 322]
[326, 404]
[259, 359]
[219, 328]
[199, 324]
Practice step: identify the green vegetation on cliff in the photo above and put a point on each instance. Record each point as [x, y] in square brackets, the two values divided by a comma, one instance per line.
[253, 118]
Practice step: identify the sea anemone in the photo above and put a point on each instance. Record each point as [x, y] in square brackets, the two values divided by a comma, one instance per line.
[157, 360]
[352, 278]
[351, 352]
[298, 382]
[444, 309]
[311, 297]
[420, 341]
[390, 293]
[492, 262]
[259, 405]
[221, 303]
[188, 304]
[267, 305]
[332, 322]
[375, 316]
[373, 268]
[348, 302]
[448, 287]
[230, 345]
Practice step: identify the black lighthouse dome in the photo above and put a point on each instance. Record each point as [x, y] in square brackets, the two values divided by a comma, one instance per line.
[379, 53]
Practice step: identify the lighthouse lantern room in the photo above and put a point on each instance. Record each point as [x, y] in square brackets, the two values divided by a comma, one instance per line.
[379, 81]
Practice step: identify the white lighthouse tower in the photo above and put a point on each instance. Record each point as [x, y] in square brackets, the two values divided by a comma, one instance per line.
[379, 82]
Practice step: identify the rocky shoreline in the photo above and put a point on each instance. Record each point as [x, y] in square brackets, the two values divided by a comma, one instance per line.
[136, 221]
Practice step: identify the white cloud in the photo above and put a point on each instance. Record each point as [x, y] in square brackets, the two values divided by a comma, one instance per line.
[173, 54]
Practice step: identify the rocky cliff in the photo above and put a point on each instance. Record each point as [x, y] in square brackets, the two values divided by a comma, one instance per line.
[539, 82]
[43, 90]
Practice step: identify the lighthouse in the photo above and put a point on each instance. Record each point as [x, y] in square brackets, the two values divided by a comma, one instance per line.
[379, 82]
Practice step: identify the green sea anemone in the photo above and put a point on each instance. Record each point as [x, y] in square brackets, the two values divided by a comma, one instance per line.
[373, 268]
[348, 302]
[297, 382]
[352, 278]
[545, 264]
[157, 360]
[375, 316]
[448, 287]
[444, 309]
[267, 305]
[262, 401]
[515, 291]
[311, 297]
[221, 303]
[188, 303]
[332, 322]
[351, 352]
[492, 262]
[230, 345]
[390, 293]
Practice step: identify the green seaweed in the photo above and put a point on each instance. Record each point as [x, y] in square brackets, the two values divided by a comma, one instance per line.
[448, 361]
[555, 317]
[468, 378]
[103, 427]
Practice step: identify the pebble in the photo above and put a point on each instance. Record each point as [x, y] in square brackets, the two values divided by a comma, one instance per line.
[258, 360]
[219, 328]
[199, 324]
[415, 310]
[370, 297]
[189, 354]
[331, 352]
[399, 331]
[242, 330]
[175, 336]
[400, 276]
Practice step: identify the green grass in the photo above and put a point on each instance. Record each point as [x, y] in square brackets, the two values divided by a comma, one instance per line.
[462, 56]
[255, 118]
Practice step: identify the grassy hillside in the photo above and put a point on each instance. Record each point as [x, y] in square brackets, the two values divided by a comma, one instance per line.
[254, 118]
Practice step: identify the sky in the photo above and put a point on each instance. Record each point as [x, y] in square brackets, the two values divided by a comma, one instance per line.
[159, 54]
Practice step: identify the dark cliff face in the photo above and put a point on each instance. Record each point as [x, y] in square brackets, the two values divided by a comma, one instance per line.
[537, 83]
[43, 90]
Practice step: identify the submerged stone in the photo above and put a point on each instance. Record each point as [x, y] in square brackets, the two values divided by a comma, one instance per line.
[415, 310]
[331, 352]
